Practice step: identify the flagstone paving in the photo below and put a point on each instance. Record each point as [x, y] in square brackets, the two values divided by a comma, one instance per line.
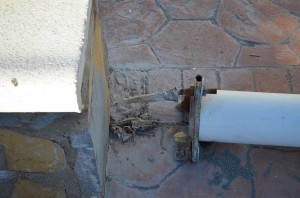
[244, 45]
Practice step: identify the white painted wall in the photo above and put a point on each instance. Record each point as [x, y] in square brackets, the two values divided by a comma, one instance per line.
[42, 47]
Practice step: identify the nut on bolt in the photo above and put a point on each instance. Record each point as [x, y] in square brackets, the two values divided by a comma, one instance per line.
[182, 140]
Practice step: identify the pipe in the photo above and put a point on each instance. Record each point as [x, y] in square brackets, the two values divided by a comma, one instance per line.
[250, 118]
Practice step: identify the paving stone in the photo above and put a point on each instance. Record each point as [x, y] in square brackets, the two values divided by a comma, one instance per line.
[26, 188]
[295, 73]
[81, 140]
[7, 183]
[276, 172]
[126, 84]
[238, 150]
[31, 154]
[295, 43]
[210, 77]
[258, 21]
[129, 22]
[240, 187]
[85, 169]
[230, 162]
[164, 79]
[10, 120]
[2, 158]
[272, 80]
[132, 57]
[189, 9]
[144, 163]
[268, 56]
[41, 121]
[159, 80]
[237, 80]
[165, 112]
[194, 44]
[291, 5]
[117, 189]
[202, 179]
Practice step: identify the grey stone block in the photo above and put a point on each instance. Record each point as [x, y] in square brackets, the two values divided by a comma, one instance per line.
[2, 158]
[7, 183]
[9, 120]
[81, 140]
[86, 171]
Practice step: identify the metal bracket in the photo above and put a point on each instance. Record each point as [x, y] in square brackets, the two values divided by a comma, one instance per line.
[195, 109]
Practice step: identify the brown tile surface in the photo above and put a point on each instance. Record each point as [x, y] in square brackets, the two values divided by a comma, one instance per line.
[164, 79]
[162, 44]
[237, 79]
[119, 189]
[296, 42]
[129, 22]
[268, 56]
[136, 57]
[143, 162]
[258, 21]
[194, 44]
[124, 84]
[272, 80]
[291, 5]
[276, 172]
[189, 9]
[159, 80]
[295, 74]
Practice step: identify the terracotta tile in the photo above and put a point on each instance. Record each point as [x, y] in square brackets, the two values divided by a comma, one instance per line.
[258, 21]
[210, 77]
[159, 80]
[164, 79]
[272, 80]
[295, 73]
[276, 173]
[237, 80]
[132, 57]
[124, 84]
[129, 22]
[291, 5]
[240, 187]
[117, 189]
[166, 112]
[144, 162]
[191, 9]
[191, 180]
[194, 44]
[295, 43]
[268, 56]
[218, 174]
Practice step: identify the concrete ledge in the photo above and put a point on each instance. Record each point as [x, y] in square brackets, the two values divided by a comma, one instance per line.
[42, 54]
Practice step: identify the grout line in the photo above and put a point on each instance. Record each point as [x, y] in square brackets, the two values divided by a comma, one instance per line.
[166, 14]
[162, 26]
[215, 16]
[181, 83]
[289, 78]
[154, 53]
[218, 79]
[254, 80]
[251, 175]
[237, 56]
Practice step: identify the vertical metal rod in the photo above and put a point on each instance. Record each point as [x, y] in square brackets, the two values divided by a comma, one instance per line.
[197, 105]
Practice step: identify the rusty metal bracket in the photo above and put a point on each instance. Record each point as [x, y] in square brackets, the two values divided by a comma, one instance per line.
[196, 105]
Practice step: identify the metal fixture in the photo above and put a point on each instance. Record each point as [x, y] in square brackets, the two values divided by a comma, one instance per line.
[236, 116]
